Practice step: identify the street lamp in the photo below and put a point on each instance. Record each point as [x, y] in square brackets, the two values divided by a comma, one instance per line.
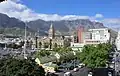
[25, 42]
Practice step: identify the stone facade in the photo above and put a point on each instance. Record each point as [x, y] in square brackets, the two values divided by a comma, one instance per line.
[52, 41]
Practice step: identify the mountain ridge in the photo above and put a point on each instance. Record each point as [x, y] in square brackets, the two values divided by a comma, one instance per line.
[62, 26]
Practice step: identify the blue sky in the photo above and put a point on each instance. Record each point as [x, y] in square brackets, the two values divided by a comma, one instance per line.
[108, 8]
[105, 11]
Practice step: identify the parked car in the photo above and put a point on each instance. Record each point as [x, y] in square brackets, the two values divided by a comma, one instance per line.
[76, 69]
[90, 74]
[109, 74]
[81, 65]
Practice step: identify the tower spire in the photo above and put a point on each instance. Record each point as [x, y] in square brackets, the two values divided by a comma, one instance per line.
[51, 31]
[51, 26]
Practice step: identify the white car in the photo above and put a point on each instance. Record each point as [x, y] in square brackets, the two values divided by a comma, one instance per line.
[90, 74]
[81, 65]
[113, 62]
[111, 66]
[67, 74]
[109, 74]
[75, 69]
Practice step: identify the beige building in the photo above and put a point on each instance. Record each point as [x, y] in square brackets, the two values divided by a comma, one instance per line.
[52, 40]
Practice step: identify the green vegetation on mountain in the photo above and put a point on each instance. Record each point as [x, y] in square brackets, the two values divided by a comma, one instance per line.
[62, 27]
[14, 31]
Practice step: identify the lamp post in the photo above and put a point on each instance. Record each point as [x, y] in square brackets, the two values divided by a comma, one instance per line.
[25, 42]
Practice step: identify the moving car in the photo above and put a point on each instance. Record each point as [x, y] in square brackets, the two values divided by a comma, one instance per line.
[90, 74]
[67, 74]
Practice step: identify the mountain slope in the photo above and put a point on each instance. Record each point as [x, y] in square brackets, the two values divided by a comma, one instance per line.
[6, 21]
[63, 26]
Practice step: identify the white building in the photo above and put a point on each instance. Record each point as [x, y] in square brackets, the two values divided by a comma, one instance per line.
[118, 41]
[96, 36]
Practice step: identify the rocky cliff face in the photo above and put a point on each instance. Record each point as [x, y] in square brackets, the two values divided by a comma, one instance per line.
[64, 25]
[7, 22]
[43, 26]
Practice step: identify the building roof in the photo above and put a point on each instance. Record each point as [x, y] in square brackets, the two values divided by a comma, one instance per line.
[98, 29]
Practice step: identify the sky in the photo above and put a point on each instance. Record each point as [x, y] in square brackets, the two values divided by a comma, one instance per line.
[76, 7]
[105, 11]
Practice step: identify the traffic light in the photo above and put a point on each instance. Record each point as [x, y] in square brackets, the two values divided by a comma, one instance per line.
[2, 0]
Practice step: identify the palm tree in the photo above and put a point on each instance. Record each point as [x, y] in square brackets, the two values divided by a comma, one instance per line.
[55, 45]
[40, 44]
[50, 43]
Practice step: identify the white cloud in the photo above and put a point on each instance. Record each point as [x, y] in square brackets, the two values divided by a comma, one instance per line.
[112, 22]
[98, 16]
[14, 8]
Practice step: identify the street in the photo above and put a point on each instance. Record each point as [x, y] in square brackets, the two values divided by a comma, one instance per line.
[117, 62]
[80, 72]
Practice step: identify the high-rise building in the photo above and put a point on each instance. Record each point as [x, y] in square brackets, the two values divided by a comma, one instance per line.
[80, 33]
[51, 32]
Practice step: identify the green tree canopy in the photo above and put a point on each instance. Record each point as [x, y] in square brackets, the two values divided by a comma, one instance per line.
[95, 56]
[15, 67]
[46, 45]
[43, 53]
[40, 44]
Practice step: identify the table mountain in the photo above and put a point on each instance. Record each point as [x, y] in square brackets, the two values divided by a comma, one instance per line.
[63, 26]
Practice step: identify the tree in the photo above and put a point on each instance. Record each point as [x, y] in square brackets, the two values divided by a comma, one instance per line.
[55, 45]
[40, 44]
[95, 56]
[50, 44]
[46, 45]
[31, 43]
[67, 43]
[18, 67]
[42, 53]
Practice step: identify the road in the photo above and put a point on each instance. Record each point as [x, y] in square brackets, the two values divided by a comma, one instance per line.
[117, 63]
[81, 72]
